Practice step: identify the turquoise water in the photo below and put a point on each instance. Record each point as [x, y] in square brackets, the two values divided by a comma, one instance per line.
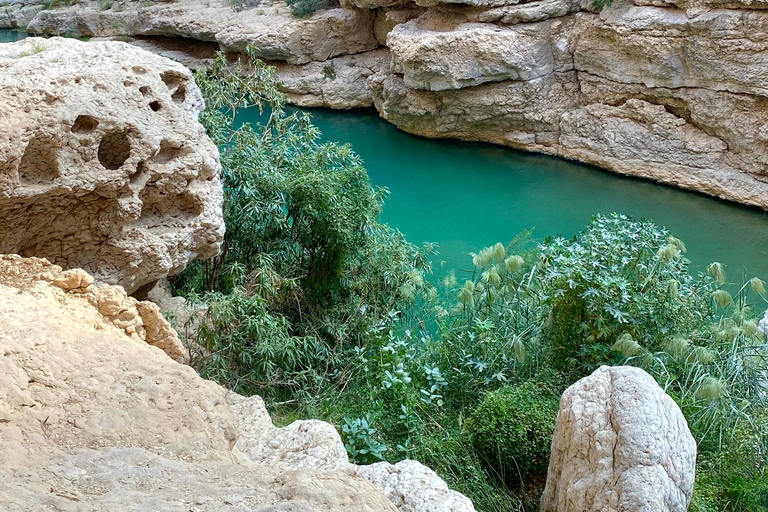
[465, 196]
[9, 36]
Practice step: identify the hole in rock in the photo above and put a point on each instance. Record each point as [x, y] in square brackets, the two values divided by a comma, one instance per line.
[145, 90]
[114, 149]
[39, 163]
[155, 106]
[169, 151]
[176, 85]
[180, 95]
[139, 70]
[84, 124]
[140, 171]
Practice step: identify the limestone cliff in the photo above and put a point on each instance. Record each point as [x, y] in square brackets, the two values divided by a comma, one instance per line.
[92, 417]
[668, 90]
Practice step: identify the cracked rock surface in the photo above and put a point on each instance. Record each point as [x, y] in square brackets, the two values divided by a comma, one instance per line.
[103, 164]
[95, 416]
[620, 444]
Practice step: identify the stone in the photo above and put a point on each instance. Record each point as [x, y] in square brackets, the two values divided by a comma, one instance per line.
[413, 487]
[18, 13]
[387, 19]
[720, 50]
[95, 418]
[551, 76]
[271, 28]
[103, 163]
[523, 114]
[529, 12]
[435, 59]
[620, 444]
[340, 82]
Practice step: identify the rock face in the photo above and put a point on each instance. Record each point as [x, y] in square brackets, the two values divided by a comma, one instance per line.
[671, 90]
[620, 444]
[17, 13]
[92, 418]
[103, 164]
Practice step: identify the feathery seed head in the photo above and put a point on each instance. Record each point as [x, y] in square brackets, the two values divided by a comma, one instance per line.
[514, 263]
[717, 272]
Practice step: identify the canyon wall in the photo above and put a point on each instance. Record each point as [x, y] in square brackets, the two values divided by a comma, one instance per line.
[673, 91]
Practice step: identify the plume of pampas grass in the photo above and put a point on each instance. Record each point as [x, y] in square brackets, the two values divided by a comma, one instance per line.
[668, 253]
[710, 389]
[717, 272]
[676, 347]
[627, 346]
[518, 347]
[723, 298]
[701, 355]
[514, 263]
[677, 243]
[758, 286]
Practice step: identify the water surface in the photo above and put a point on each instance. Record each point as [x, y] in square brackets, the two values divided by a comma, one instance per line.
[465, 196]
[9, 36]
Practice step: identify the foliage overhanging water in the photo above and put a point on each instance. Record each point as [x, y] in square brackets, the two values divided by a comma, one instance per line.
[466, 196]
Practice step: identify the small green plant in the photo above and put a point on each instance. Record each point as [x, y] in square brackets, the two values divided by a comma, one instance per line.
[329, 72]
[105, 5]
[359, 440]
[241, 5]
[512, 429]
[305, 8]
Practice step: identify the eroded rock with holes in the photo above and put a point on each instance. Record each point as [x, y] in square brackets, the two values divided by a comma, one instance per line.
[620, 444]
[103, 164]
[93, 415]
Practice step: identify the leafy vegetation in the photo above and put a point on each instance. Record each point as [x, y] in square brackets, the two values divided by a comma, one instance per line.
[328, 313]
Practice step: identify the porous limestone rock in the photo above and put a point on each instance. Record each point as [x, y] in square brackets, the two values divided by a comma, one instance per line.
[94, 419]
[139, 320]
[388, 19]
[620, 444]
[522, 114]
[103, 164]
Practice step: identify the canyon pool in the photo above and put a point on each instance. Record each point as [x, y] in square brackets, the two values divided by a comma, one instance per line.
[465, 196]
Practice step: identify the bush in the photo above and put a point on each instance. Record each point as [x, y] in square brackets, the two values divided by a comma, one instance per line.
[305, 8]
[617, 277]
[512, 429]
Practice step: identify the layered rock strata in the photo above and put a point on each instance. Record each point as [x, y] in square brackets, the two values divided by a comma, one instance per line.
[620, 443]
[670, 90]
[103, 164]
[92, 417]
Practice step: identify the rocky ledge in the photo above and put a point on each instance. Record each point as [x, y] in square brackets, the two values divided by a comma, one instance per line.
[92, 417]
[668, 90]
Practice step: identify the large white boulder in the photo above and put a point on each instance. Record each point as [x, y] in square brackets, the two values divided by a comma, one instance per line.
[620, 444]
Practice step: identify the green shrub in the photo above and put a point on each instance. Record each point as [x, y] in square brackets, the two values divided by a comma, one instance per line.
[617, 277]
[512, 429]
[305, 8]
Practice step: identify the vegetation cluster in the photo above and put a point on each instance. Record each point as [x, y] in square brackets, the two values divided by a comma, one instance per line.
[328, 313]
